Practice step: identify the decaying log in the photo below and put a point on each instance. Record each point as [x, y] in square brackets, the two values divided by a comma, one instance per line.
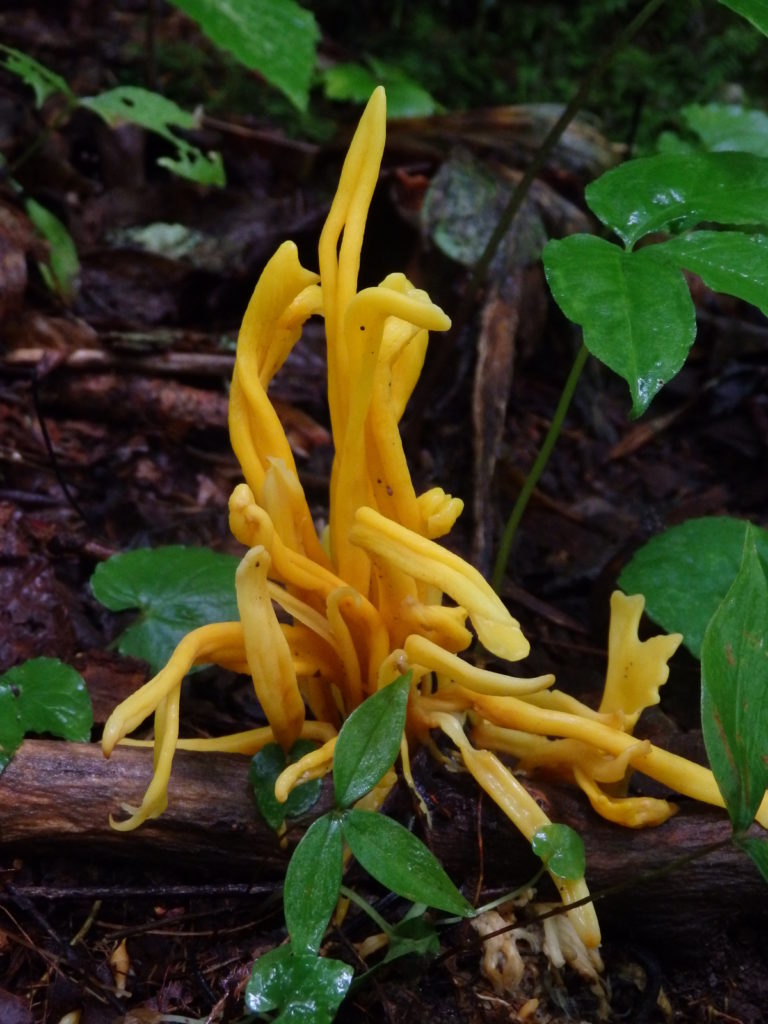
[59, 796]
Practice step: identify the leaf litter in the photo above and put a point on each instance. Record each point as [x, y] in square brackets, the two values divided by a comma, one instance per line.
[96, 462]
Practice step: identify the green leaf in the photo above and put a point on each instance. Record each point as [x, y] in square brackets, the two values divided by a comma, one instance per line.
[61, 270]
[726, 261]
[655, 192]
[42, 695]
[734, 681]
[405, 97]
[305, 989]
[355, 83]
[130, 104]
[413, 936]
[400, 861]
[277, 38]
[635, 309]
[312, 883]
[176, 588]
[700, 557]
[369, 742]
[349, 82]
[758, 851]
[263, 772]
[726, 127]
[44, 81]
[561, 849]
[11, 729]
[755, 11]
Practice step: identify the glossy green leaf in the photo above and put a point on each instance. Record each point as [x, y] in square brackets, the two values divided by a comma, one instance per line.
[277, 38]
[401, 862]
[262, 774]
[312, 883]
[734, 682]
[304, 989]
[758, 851]
[44, 81]
[755, 11]
[726, 127]
[129, 104]
[634, 308]
[685, 572]
[561, 849]
[655, 192]
[726, 261]
[61, 270]
[369, 742]
[42, 695]
[176, 590]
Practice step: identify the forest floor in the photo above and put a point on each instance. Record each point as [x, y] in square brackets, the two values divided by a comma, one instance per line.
[113, 436]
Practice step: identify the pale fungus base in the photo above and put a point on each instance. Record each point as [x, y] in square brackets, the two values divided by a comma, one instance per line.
[371, 604]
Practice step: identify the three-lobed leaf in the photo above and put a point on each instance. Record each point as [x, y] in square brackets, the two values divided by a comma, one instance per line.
[262, 774]
[277, 38]
[175, 588]
[369, 742]
[728, 126]
[303, 988]
[561, 849]
[312, 883]
[734, 681]
[685, 572]
[727, 261]
[400, 861]
[634, 307]
[653, 193]
[42, 695]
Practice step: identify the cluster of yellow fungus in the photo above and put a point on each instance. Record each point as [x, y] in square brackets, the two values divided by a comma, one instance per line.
[376, 595]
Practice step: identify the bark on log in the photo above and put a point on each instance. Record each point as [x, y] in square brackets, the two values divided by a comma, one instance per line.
[58, 797]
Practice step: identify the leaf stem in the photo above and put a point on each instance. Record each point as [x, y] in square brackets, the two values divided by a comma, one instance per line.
[505, 547]
[505, 898]
[365, 906]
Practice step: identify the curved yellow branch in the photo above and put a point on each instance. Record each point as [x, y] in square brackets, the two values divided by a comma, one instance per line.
[425, 560]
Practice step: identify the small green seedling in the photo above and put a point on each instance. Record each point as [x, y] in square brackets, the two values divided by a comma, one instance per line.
[367, 746]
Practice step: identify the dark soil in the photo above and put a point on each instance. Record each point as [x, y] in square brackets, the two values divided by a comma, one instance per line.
[113, 436]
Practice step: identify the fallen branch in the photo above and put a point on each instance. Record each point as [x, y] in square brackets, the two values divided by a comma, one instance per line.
[59, 796]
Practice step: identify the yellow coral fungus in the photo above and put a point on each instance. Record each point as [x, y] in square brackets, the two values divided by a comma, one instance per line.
[384, 597]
